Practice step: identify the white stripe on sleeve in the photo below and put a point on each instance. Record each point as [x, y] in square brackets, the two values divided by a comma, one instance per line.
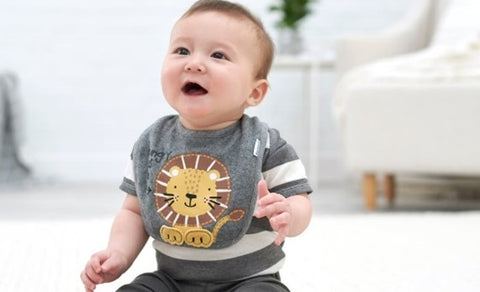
[284, 173]
[129, 173]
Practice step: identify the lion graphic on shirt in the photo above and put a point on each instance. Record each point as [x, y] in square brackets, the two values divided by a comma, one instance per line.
[190, 198]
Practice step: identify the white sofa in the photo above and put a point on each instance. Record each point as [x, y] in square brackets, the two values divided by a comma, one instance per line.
[408, 99]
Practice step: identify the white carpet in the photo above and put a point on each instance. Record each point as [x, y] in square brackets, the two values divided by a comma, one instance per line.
[373, 252]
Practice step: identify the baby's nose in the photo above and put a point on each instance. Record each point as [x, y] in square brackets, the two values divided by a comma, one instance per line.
[195, 67]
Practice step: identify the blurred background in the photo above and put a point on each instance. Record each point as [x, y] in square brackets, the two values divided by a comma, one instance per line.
[80, 80]
[87, 83]
[89, 77]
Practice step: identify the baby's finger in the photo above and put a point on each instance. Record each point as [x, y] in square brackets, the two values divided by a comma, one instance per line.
[269, 199]
[279, 221]
[281, 235]
[262, 189]
[266, 211]
[95, 263]
[275, 208]
[93, 276]
[110, 266]
[89, 284]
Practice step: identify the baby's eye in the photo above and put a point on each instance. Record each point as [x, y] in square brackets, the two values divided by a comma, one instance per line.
[182, 51]
[218, 55]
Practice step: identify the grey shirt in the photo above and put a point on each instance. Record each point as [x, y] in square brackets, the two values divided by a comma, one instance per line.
[197, 192]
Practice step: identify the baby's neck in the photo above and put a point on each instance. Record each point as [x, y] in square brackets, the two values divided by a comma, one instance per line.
[206, 126]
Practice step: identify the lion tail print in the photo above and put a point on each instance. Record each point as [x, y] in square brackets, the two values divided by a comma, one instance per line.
[235, 216]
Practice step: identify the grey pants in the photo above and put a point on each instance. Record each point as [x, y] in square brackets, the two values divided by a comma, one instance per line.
[161, 282]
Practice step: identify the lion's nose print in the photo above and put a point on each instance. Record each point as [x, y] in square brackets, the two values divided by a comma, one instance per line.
[191, 196]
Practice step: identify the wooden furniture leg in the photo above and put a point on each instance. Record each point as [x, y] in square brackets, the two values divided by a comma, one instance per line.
[369, 185]
[389, 188]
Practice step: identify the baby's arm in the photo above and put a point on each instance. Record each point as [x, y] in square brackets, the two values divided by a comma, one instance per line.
[127, 238]
[288, 216]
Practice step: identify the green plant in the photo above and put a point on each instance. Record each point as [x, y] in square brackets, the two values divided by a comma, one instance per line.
[292, 12]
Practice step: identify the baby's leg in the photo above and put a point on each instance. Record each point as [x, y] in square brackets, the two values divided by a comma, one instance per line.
[266, 283]
[151, 282]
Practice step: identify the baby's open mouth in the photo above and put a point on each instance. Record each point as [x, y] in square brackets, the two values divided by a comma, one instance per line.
[192, 88]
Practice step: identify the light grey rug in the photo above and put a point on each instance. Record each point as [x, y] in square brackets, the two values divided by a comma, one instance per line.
[373, 252]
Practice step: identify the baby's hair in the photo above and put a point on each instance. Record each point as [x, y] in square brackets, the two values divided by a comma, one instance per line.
[266, 46]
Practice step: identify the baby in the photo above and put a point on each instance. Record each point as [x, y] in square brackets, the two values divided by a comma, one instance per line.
[217, 190]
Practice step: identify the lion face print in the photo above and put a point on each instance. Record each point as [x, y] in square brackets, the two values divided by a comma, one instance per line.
[192, 191]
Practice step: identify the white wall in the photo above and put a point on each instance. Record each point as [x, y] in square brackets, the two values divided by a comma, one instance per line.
[90, 71]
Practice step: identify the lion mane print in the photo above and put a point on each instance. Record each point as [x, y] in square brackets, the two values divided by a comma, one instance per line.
[192, 191]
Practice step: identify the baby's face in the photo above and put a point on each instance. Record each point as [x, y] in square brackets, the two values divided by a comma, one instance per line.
[209, 72]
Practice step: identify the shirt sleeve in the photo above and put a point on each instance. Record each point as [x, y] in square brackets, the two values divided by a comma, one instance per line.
[282, 169]
[128, 182]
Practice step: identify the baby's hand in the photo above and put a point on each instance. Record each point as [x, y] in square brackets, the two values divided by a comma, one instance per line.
[103, 267]
[276, 208]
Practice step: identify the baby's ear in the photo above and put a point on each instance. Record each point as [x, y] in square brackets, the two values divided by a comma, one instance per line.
[258, 92]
